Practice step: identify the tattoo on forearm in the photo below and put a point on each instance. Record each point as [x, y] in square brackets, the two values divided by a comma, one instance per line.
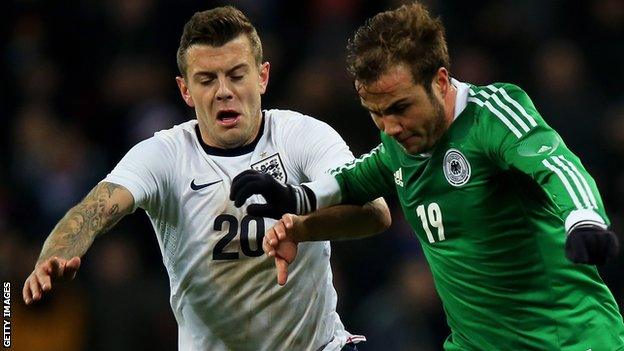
[75, 232]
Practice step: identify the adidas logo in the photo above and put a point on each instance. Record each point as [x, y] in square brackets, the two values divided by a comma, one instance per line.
[544, 148]
[398, 177]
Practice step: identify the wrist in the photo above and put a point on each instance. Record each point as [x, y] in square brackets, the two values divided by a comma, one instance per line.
[583, 218]
[301, 228]
[302, 202]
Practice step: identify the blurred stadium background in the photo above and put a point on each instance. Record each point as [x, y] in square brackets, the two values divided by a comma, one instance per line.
[84, 80]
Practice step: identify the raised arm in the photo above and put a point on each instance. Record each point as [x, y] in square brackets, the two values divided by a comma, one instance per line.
[98, 212]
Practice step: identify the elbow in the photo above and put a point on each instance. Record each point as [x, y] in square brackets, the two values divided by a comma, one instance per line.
[380, 215]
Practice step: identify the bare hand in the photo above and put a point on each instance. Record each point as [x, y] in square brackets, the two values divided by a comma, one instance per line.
[279, 243]
[40, 280]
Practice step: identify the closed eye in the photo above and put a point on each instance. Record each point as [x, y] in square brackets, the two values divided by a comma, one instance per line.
[396, 109]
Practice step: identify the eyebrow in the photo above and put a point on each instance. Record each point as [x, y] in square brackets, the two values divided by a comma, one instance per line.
[240, 65]
[209, 73]
[388, 109]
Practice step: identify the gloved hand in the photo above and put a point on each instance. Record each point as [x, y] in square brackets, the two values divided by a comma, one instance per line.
[591, 245]
[281, 198]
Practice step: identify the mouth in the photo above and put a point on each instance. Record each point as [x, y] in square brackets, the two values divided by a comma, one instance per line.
[228, 118]
[409, 141]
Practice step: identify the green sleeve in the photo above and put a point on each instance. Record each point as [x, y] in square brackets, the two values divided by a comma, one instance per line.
[366, 178]
[515, 136]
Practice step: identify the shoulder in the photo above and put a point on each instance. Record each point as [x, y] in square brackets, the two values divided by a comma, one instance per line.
[298, 127]
[287, 119]
[165, 144]
[179, 132]
[179, 136]
[504, 104]
[495, 93]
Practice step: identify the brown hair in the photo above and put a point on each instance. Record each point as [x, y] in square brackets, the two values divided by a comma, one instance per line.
[216, 27]
[405, 35]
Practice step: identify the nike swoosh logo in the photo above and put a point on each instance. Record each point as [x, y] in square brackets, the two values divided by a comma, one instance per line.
[201, 186]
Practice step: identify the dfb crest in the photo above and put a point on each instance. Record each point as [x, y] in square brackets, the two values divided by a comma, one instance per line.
[271, 165]
[456, 168]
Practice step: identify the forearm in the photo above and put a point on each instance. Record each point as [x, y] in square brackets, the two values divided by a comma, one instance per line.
[563, 179]
[344, 222]
[100, 210]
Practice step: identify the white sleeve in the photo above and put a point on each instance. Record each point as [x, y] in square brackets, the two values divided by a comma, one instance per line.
[317, 148]
[144, 171]
[326, 191]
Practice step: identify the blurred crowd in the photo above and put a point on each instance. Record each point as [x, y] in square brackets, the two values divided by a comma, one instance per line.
[84, 80]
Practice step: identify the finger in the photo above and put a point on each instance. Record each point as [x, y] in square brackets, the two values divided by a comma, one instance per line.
[248, 190]
[272, 238]
[35, 290]
[287, 250]
[575, 249]
[54, 267]
[26, 293]
[71, 268]
[262, 210]
[592, 243]
[244, 174]
[613, 247]
[241, 180]
[268, 249]
[280, 231]
[282, 270]
[44, 278]
[287, 218]
[267, 241]
[602, 250]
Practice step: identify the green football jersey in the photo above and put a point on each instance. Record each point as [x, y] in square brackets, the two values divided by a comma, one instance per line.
[491, 204]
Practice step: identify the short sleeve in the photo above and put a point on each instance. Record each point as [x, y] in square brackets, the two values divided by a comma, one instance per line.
[315, 147]
[145, 171]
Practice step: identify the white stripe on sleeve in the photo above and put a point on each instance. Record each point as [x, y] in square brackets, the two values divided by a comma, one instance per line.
[583, 180]
[576, 181]
[565, 182]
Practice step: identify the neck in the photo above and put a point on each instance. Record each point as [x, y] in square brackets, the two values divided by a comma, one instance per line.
[211, 141]
[449, 105]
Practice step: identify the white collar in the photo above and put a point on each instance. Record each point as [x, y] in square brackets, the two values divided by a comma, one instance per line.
[461, 99]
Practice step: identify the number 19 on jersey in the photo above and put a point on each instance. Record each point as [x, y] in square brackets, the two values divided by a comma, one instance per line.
[431, 218]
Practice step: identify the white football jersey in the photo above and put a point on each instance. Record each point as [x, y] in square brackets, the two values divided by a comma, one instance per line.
[224, 293]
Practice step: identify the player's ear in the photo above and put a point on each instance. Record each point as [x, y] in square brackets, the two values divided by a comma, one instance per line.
[441, 81]
[264, 76]
[184, 91]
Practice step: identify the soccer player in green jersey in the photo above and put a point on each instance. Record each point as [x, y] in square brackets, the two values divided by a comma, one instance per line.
[493, 194]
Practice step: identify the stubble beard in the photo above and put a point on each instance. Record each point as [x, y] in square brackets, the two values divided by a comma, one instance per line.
[438, 126]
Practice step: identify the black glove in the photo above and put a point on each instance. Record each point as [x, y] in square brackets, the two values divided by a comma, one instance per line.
[591, 245]
[281, 198]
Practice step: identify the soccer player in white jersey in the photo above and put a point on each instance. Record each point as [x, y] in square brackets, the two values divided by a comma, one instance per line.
[223, 293]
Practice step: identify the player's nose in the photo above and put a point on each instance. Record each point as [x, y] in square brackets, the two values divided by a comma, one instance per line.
[224, 92]
[391, 126]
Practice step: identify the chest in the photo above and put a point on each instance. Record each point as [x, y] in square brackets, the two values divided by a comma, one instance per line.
[446, 193]
[207, 180]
